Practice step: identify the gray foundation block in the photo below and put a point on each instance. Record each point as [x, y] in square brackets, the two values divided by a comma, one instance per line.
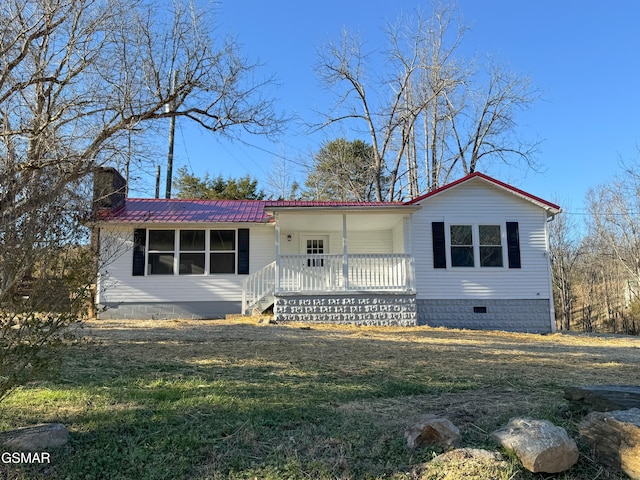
[167, 311]
[532, 316]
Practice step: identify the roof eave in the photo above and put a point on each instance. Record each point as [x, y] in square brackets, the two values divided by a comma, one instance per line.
[398, 208]
[551, 208]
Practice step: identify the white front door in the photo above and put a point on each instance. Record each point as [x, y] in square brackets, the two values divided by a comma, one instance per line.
[317, 267]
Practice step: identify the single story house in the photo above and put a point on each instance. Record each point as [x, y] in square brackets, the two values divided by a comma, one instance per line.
[471, 254]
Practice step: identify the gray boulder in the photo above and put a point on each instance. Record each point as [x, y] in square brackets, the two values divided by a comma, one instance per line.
[540, 445]
[603, 398]
[36, 438]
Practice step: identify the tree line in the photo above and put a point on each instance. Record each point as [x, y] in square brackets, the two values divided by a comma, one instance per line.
[595, 260]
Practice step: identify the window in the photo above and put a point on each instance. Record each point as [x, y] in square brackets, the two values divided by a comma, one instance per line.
[222, 247]
[161, 252]
[461, 246]
[192, 252]
[490, 245]
[315, 247]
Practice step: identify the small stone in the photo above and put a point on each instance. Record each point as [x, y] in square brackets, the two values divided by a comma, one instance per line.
[540, 445]
[615, 437]
[38, 437]
[432, 430]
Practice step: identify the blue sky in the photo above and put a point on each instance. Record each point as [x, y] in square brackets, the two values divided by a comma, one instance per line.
[584, 56]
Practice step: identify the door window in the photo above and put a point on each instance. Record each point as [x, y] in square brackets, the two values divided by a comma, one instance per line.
[315, 246]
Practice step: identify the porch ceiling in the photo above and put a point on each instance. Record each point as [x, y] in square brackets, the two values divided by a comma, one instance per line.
[332, 221]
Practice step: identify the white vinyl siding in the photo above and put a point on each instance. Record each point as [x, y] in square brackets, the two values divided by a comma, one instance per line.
[357, 242]
[477, 203]
[399, 245]
[117, 284]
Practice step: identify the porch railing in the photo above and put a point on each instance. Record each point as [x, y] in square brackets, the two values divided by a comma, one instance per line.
[329, 273]
[258, 286]
[353, 272]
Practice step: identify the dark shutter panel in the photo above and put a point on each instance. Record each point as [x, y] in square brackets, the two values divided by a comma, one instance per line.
[243, 251]
[139, 242]
[439, 249]
[513, 245]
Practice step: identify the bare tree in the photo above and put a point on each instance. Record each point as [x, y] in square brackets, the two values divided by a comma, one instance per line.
[77, 79]
[564, 248]
[601, 278]
[281, 183]
[425, 104]
[484, 129]
[615, 215]
[343, 62]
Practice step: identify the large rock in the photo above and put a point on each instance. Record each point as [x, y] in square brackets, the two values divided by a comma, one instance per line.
[540, 445]
[603, 398]
[432, 430]
[36, 438]
[615, 437]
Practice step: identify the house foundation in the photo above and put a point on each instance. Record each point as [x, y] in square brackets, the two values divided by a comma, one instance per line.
[167, 310]
[374, 309]
[524, 315]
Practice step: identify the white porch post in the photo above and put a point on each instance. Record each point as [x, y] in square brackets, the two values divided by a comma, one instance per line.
[345, 261]
[277, 272]
[408, 248]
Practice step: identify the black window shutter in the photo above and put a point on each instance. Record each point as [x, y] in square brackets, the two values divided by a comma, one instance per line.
[439, 249]
[243, 251]
[513, 245]
[139, 242]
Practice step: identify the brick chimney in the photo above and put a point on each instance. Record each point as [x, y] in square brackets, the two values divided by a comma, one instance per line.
[108, 190]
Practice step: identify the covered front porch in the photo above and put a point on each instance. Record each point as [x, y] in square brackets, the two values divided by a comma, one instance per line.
[335, 251]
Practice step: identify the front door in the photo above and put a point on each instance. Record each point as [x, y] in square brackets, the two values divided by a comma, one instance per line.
[317, 266]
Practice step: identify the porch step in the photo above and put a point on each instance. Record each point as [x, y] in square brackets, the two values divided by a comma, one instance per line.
[262, 305]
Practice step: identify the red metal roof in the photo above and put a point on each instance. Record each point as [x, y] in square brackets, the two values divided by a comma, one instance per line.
[156, 210]
[311, 203]
[521, 193]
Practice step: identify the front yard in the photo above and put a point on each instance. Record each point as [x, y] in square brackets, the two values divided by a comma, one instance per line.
[238, 399]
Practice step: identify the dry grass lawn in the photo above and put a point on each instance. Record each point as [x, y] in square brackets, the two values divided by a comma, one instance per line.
[251, 400]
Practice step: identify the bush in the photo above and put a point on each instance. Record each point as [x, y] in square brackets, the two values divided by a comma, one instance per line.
[38, 316]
